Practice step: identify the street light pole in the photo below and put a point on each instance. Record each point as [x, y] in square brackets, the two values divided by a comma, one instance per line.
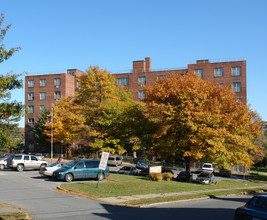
[52, 135]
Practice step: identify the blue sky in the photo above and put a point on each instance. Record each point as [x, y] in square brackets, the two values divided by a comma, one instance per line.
[60, 35]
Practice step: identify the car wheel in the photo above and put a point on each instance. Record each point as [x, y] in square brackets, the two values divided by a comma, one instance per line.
[100, 176]
[20, 167]
[68, 177]
[42, 165]
[2, 166]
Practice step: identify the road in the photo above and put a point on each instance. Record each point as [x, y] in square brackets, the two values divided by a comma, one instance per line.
[33, 193]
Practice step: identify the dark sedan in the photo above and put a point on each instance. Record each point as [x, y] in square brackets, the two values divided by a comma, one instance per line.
[255, 209]
[182, 176]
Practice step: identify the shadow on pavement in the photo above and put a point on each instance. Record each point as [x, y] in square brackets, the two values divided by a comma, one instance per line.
[117, 212]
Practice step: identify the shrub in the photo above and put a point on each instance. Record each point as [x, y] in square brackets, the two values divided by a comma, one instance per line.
[167, 176]
[155, 176]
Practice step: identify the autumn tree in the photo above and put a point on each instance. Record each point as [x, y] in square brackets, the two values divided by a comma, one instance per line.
[68, 121]
[105, 108]
[202, 122]
[10, 111]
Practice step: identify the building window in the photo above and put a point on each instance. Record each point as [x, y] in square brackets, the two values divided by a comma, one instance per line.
[57, 95]
[123, 81]
[42, 108]
[79, 85]
[236, 87]
[141, 81]
[31, 147]
[31, 122]
[31, 108]
[220, 85]
[31, 135]
[239, 100]
[31, 83]
[141, 94]
[236, 71]
[218, 72]
[43, 82]
[30, 96]
[43, 96]
[57, 83]
[199, 72]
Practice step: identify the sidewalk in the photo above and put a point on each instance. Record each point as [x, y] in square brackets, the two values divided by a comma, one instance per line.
[119, 200]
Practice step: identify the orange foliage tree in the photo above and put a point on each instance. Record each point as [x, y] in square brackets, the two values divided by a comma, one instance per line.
[201, 121]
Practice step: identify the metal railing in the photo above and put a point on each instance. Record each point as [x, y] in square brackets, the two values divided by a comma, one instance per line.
[221, 60]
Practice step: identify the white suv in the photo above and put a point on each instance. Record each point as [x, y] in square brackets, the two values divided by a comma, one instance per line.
[20, 162]
[207, 167]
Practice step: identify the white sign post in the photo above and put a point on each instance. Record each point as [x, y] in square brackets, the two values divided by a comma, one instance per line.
[102, 164]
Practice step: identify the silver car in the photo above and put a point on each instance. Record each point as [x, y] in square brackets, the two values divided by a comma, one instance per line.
[48, 171]
[206, 178]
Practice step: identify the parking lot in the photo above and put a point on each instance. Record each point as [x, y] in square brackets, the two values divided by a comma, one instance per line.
[34, 176]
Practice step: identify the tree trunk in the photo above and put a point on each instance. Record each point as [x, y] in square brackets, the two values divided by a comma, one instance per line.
[187, 169]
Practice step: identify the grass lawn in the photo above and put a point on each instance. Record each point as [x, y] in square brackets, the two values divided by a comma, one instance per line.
[260, 177]
[124, 185]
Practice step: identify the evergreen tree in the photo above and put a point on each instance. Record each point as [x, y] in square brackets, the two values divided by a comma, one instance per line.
[40, 137]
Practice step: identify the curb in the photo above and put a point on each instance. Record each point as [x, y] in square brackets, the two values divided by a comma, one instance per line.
[155, 204]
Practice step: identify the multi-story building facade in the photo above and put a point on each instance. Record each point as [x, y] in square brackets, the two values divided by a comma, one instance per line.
[42, 90]
[228, 73]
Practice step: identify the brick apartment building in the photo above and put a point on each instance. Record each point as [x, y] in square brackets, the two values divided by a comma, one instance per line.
[231, 73]
[42, 90]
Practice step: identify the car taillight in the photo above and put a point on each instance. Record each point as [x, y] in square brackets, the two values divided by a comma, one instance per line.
[108, 170]
[44, 169]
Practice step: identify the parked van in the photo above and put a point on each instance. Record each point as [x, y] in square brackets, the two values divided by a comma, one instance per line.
[83, 169]
[114, 160]
[207, 167]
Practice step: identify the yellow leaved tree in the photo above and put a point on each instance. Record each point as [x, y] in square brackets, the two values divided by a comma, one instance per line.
[68, 121]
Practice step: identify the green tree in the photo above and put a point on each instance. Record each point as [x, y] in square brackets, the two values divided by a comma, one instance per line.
[9, 111]
[202, 122]
[39, 137]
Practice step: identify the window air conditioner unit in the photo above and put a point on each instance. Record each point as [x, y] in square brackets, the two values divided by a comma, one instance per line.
[57, 87]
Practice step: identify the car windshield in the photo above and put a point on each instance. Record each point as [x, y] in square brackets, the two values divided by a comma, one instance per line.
[207, 166]
[53, 164]
[71, 164]
[258, 203]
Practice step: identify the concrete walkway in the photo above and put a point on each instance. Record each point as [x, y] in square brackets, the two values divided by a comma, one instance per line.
[119, 200]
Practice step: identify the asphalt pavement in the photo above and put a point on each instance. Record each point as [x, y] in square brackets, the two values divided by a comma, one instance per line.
[37, 195]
